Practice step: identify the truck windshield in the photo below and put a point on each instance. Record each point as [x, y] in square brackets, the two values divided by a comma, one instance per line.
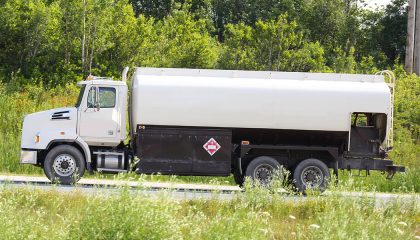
[80, 97]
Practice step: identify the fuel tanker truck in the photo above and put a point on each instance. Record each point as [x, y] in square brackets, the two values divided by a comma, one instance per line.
[218, 123]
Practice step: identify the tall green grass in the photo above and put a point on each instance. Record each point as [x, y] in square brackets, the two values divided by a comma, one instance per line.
[14, 105]
[29, 214]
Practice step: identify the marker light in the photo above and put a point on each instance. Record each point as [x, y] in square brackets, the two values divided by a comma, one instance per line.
[37, 139]
[245, 142]
[90, 77]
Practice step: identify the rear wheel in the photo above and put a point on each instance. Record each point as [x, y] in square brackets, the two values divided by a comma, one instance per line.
[311, 174]
[64, 164]
[261, 170]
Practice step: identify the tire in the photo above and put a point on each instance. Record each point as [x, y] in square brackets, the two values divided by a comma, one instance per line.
[64, 164]
[311, 174]
[260, 170]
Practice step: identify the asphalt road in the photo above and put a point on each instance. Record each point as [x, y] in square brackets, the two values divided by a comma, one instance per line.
[177, 191]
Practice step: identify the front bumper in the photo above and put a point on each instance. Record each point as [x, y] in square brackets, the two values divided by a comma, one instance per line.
[28, 157]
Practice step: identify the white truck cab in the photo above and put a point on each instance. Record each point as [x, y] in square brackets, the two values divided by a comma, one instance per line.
[98, 119]
[101, 111]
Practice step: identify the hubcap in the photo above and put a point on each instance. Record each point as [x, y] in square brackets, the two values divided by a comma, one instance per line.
[263, 174]
[64, 165]
[312, 177]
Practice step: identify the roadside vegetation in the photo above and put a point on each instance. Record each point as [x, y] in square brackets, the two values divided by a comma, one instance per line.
[256, 214]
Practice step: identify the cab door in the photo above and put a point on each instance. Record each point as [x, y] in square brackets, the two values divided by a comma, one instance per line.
[98, 121]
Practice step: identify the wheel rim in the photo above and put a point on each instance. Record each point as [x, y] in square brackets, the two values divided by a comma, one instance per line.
[64, 165]
[312, 177]
[263, 174]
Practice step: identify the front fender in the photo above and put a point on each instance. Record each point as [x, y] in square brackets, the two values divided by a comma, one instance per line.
[80, 142]
[85, 148]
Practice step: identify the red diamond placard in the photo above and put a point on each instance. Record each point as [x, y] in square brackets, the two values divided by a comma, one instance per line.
[211, 146]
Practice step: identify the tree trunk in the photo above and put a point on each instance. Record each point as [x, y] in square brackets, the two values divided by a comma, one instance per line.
[84, 36]
[409, 55]
[93, 47]
[416, 67]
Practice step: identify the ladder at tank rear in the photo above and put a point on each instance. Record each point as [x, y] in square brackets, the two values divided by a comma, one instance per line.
[391, 84]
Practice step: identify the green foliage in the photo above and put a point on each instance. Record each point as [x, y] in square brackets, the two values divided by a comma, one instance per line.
[60, 42]
[14, 106]
[29, 38]
[238, 52]
[57, 42]
[344, 61]
[407, 120]
[384, 33]
[309, 58]
[273, 45]
[184, 42]
[394, 24]
[376, 182]
[274, 41]
[324, 20]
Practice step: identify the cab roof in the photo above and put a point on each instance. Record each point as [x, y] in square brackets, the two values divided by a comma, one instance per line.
[109, 82]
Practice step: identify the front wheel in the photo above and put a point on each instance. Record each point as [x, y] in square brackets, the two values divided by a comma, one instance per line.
[311, 174]
[64, 164]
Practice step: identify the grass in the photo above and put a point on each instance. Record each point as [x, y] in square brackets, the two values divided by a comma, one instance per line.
[36, 214]
[13, 107]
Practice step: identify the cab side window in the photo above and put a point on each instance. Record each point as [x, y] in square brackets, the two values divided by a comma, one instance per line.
[107, 97]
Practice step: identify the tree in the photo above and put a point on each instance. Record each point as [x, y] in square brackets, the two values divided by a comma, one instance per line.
[238, 50]
[272, 45]
[157, 9]
[29, 31]
[126, 39]
[274, 41]
[392, 37]
[250, 11]
[309, 58]
[184, 42]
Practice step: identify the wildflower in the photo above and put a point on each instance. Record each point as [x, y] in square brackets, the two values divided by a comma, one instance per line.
[314, 226]
[417, 237]
[266, 214]
[264, 231]
[402, 224]
[292, 217]
[399, 231]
